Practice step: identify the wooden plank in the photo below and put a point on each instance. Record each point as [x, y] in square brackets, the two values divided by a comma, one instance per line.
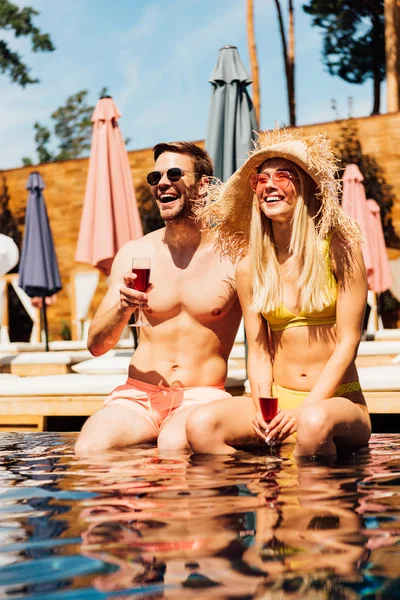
[22, 423]
[51, 406]
[387, 402]
[35, 369]
[375, 360]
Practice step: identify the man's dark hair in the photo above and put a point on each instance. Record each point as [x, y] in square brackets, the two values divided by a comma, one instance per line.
[202, 162]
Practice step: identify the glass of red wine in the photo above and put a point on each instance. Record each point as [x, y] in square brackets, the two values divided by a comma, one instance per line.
[140, 268]
[268, 402]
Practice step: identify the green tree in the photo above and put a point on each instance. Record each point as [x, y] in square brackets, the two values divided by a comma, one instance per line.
[354, 40]
[72, 131]
[72, 126]
[20, 22]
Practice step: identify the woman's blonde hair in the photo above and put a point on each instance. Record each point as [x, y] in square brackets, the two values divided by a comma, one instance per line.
[232, 217]
[305, 244]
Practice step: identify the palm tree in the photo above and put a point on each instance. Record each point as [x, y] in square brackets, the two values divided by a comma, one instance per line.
[288, 57]
[253, 59]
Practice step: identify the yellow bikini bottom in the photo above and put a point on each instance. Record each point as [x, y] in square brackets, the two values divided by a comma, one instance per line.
[293, 398]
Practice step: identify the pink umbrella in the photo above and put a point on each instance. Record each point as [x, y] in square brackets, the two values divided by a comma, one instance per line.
[380, 279]
[110, 216]
[367, 214]
[354, 203]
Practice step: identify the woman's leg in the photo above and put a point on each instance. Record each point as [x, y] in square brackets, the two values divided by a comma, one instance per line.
[216, 427]
[327, 425]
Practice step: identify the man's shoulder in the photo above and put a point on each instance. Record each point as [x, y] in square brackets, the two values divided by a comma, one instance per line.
[145, 243]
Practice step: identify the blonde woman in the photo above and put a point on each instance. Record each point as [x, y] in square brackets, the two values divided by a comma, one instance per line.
[302, 287]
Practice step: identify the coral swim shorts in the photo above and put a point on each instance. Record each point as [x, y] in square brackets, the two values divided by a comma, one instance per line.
[156, 403]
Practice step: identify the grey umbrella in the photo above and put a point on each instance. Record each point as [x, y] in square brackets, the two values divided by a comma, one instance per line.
[232, 119]
[38, 268]
[232, 122]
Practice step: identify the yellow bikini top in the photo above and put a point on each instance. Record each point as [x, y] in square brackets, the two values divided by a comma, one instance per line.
[282, 318]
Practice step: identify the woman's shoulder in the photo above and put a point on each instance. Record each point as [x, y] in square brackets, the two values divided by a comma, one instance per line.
[244, 265]
[345, 255]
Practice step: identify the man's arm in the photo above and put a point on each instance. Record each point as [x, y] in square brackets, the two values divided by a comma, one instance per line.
[117, 305]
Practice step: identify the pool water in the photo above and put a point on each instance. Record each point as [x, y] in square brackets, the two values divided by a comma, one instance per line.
[134, 524]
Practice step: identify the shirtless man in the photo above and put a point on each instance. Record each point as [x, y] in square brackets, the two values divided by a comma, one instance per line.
[191, 307]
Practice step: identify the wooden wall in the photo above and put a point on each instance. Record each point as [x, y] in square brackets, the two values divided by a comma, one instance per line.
[65, 190]
[380, 138]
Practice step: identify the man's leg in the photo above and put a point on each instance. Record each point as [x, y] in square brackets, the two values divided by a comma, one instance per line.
[114, 427]
[173, 434]
[216, 427]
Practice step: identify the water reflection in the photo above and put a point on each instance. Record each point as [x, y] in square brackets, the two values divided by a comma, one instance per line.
[135, 524]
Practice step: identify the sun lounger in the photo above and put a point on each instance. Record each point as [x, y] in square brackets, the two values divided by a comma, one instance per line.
[25, 402]
[58, 346]
[29, 364]
[375, 354]
[387, 334]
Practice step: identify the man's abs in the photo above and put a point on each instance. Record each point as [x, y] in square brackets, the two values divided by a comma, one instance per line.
[177, 353]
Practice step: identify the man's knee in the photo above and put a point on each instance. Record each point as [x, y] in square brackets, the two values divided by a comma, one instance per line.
[96, 435]
[87, 445]
[202, 423]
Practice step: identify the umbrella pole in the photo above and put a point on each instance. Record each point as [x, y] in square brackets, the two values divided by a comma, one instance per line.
[46, 332]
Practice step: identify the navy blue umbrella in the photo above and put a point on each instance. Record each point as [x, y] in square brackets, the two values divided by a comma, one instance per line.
[38, 269]
[232, 122]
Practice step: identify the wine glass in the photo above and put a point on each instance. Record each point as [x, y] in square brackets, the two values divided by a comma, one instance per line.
[268, 402]
[140, 268]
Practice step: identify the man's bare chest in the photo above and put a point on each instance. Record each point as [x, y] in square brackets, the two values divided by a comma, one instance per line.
[202, 289]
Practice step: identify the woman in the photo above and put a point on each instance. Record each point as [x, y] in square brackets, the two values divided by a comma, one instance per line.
[302, 287]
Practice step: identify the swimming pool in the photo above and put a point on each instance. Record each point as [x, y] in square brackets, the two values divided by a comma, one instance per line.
[133, 524]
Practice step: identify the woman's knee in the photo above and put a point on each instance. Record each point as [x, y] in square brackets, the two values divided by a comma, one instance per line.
[313, 423]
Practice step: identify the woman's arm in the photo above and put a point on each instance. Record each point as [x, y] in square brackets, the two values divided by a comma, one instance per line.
[349, 270]
[259, 363]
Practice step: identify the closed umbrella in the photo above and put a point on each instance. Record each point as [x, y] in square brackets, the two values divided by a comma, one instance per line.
[367, 214]
[110, 216]
[232, 122]
[380, 277]
[38, 268]
[354, 203]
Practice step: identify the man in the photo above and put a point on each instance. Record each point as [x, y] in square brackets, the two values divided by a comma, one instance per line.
[191, 307]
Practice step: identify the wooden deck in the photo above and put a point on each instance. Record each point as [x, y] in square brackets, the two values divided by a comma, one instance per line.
[29, 413]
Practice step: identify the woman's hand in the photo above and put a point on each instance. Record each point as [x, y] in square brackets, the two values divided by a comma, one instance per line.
[259, 426]
[281, 426]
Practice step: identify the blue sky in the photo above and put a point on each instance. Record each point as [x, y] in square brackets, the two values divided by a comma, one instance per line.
[155, 57]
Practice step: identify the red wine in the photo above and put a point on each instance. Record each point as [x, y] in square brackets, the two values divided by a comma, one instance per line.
[141, 283]
[269, 407]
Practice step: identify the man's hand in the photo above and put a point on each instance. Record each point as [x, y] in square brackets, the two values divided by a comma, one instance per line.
[130, 299]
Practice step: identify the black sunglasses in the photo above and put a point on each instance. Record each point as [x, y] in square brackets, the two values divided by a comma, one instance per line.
[174, 174]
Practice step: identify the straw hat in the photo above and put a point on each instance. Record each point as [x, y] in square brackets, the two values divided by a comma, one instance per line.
[228, 210]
